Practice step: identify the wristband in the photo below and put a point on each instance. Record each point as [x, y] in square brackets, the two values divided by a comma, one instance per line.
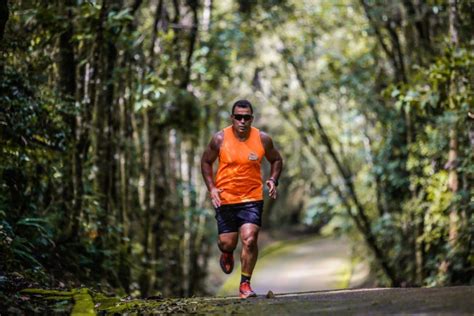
[274, 181]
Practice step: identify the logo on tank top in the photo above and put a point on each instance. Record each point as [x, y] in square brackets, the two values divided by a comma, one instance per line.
[253, 157]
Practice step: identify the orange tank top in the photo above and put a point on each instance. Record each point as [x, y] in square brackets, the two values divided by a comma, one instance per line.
[239, 174]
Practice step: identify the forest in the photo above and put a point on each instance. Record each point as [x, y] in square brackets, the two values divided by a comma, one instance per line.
[106, 107]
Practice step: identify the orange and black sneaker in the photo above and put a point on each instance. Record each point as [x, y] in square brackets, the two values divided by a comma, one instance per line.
[227, 262]
[246, 291]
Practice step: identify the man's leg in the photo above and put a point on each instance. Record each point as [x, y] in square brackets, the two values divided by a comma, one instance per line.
[227, 243]
[248, 257]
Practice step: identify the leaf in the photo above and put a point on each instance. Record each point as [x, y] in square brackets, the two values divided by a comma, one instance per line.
[24, 255]
[122, 15]
[38, 223]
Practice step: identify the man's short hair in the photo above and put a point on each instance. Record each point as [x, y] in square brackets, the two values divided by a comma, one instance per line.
[242, 104]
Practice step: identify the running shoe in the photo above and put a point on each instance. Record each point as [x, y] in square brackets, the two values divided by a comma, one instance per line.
[246, 291]
[227, 262]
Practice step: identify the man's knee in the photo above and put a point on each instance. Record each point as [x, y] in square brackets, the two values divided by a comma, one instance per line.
[226, 244]
[250, 241]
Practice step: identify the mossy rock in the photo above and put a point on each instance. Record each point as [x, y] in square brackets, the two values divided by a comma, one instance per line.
[83, 302]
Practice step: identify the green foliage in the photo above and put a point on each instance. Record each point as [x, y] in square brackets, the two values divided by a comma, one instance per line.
[102, 186]
[24, 244]
[435, 111]
[322, 209]
[390, 124]
[177, 108]
[33, 136]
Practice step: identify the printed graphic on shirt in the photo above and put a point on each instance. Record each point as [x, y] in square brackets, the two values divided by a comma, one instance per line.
[253, 157]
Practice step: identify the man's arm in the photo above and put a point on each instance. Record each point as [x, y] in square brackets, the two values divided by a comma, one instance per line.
[276, 164]
[208, 157]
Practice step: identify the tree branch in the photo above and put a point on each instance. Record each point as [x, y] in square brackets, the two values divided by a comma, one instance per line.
[192, 42]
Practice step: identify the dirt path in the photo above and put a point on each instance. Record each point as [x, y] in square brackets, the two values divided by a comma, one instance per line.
[307, 265]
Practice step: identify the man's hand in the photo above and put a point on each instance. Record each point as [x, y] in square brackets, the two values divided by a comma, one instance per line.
[215, 197]
[276, 164]
[272, 189]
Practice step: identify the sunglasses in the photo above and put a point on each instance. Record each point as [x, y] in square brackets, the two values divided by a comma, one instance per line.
[239, 117]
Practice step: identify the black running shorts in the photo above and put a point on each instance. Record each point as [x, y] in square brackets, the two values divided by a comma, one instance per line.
[231, 216]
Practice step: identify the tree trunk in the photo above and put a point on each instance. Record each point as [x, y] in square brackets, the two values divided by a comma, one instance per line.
[67, 87]
[90, 73]
[453, 181]
[451, 164]
[420, 17]
[124, 157]
[163, 207]
[104, 161]
[150, 176]
[146, 176]
[4, 15]
[192, 42]
[174, 213]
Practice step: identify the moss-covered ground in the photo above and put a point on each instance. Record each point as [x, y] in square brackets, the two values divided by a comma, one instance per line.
[448, 300]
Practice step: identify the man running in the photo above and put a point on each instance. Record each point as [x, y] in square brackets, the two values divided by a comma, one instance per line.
[237, 193]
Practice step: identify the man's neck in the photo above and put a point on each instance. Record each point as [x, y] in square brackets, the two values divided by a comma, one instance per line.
[241, 136]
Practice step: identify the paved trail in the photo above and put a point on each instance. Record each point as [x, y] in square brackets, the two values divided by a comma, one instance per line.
[425, 301]
[310, 265]
[315, 265]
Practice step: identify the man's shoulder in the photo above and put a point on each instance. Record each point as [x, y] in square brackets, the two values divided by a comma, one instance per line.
[264, 136]
[266, 140]
[217, 140]
[218, 135]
